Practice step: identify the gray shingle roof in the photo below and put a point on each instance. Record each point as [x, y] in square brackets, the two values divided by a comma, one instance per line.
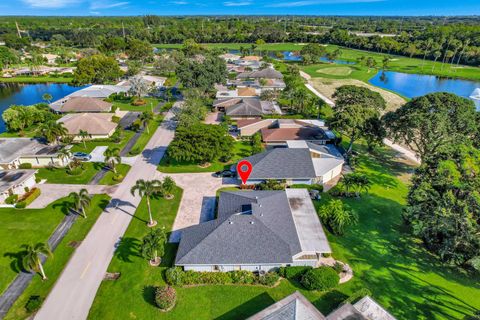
[267, 73]
[282, 163]
[265, 235]
[13, 148]
[240, 106]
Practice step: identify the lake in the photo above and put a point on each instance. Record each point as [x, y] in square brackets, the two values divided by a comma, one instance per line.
[414, 85]
[28, 94]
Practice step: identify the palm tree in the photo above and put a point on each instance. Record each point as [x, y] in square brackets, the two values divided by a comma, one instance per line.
[52, 131]
[147, 189]
[437, 54]
[84, 135]
[112, 157]
[81, 200]
[168, 185]
[145, 119]
[47, 97]
[31, 261]
[153, 245]
[65, 154]
[337, 216]
[427, 47]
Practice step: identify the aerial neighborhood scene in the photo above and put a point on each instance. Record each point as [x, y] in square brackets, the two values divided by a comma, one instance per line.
[291, 160]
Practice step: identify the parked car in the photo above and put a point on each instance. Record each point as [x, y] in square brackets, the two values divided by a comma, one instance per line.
[82, 156]
[224, 174]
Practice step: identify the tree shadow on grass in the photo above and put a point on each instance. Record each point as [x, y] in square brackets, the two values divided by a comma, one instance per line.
[17, 260]
[149, 295]
[65, 207]
[329, 299]
[248, 308]
[128, 248]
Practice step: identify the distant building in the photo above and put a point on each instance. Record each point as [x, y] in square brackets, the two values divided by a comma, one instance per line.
[15, 182]
[51, 58]
[255, 231]
[15, 151]
[98, 125]
[238, 108]
[85, 104]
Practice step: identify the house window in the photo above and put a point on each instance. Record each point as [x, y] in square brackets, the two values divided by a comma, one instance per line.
[216, 268]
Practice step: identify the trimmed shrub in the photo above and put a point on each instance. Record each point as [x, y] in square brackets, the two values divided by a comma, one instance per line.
[165, 297]
[25, 166]
[11, 199]
[174, 276]
[268, 279]
[115, 119]
[139, 102]
[295, 272]
[357, 295]
[322, 278]
[33, 304]
[242, 277]
[28, 198]
[75, 171]
[117, 177]
[338, 267]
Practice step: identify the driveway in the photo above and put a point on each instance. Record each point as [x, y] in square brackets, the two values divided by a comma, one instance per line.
[198, 201]
[98, 156]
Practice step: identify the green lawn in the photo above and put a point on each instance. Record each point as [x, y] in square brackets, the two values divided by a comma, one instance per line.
[241, 149]
[121, 169]
[236, 46]
[32, 226]
[91, 144]
[402, 275]
[60, 175]
[142, 141]
[39, 79]
[149, 106]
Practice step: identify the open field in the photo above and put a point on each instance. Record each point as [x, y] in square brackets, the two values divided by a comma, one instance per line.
[241, 149]
[327, 87]
[37, 228]
[39, 79]
[386, 259]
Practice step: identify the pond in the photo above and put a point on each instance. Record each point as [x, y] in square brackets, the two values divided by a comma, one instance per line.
[414, 85]
[28, 94]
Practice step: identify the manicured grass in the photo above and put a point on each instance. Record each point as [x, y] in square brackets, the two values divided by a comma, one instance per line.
[39, 79]
[336, 71]
[91, 144]
[149, 106]
[60, 175]
[402, 275]
[236, 46]
[142, 141]
[241, 149]
[121, 169]
[33, 226]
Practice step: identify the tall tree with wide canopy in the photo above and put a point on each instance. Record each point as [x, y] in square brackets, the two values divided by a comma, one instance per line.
[355, 108]
[433, 124]
[96, 69]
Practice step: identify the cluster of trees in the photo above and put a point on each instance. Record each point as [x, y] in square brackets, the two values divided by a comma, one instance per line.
[96, 69]
[452, 39]
[18, 118]
[443, 202]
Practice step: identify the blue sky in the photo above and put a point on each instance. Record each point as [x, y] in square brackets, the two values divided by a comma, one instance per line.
[193, 7]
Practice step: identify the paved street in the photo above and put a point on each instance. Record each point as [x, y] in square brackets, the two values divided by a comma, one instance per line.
[74, 291]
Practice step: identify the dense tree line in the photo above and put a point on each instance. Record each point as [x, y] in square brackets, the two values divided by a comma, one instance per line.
[452, 39]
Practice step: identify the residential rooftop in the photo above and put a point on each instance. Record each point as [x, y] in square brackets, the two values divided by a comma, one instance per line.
[12, 178]
[13, 148]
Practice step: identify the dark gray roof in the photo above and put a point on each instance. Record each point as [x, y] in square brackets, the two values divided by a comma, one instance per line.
[13, 178]
[267, 73]
[13, 148]
[346, 312]
[240, 106]
[282, 163]
[252, 227]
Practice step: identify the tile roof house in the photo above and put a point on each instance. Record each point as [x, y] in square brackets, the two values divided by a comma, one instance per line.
[267, 73]
[85, 104]
[297, 307]
[98, 125]
[15, 182]
[241, 92]
[255, 230]
[246, 107]
[300, 163]
[15, 151]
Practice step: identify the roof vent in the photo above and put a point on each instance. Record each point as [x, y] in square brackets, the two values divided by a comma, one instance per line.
[230, 222]
[251, 222]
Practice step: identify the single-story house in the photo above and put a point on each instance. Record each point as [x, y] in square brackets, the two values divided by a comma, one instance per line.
[262, 84]
[279, 136]
[255, 231]
[98, 125]
[51, 58]
[241, 92]
[297, 307]
[94, 91]
[85, 104]
[267, 73]
[153, 81]
[246, 107]
[230, 57]
[15, 151]
[15, 182]
[251, 58]
[301, 162]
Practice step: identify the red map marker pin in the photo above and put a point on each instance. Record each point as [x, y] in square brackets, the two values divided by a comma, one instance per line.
[244, 168]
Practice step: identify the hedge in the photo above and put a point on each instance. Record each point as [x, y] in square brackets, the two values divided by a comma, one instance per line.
[25, 165]
[28, 198]
[165, 297]
[322, 278]
[293, 273]
[176, 276]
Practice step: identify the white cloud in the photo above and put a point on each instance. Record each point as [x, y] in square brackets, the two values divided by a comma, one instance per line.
[51, 4]
[237, 4]
[315, 2]
[95, 5]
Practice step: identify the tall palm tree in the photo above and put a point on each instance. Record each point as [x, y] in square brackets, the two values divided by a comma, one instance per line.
[112, 157]
[52, 131]
[31, 261]
[147, 189]
[437, 54]
[81, 200]
[65, 155]
[145, 119]
[84, 135]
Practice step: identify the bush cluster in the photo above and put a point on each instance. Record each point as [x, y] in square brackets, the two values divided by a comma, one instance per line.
[294, 272]
[25, 165]
[322, 278]
[33, 304]
[165, 297]
[28, 198]
[12, 199]
[176, 276]
[75, 171]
